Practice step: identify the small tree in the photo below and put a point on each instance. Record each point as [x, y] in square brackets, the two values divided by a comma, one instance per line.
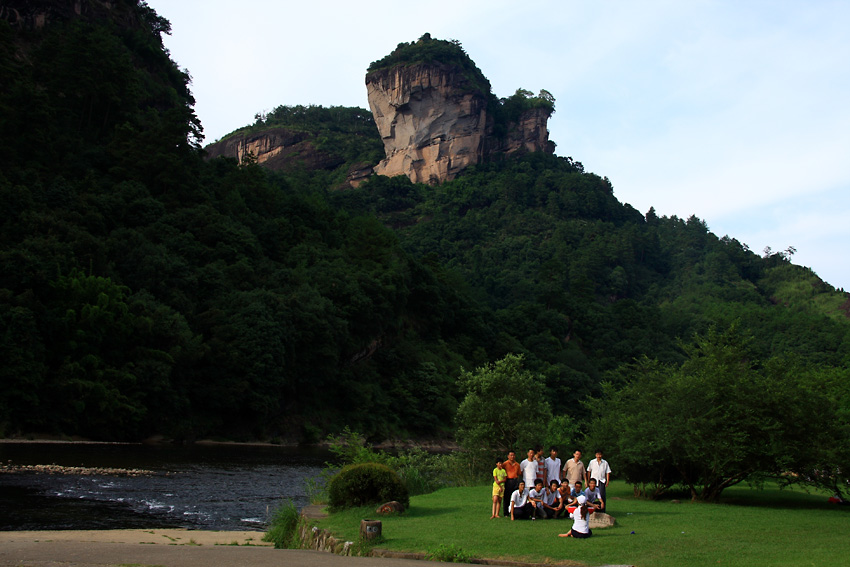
[717, 420]
[504, 408]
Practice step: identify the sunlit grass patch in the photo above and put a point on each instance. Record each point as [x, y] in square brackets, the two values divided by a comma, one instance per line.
[748, 527]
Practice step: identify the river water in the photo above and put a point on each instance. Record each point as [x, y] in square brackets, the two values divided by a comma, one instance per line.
[217, 487]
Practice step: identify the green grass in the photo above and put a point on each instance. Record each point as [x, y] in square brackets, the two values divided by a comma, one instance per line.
[748, 527]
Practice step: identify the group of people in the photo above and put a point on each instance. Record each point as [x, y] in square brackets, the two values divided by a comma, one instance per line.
[540, 487]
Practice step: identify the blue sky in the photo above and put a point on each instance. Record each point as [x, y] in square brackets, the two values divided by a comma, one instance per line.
[735, 111]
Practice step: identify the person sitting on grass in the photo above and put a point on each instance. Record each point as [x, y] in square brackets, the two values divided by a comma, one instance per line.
[564, 497]
[521, 508]
[580, 528]
[594, 495]
[575, 493]
[499, 477]
[536, 496]
[552, 504]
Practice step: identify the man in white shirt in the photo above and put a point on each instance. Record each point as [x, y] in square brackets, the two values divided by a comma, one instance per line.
[520, 506]
[528, 468]
[537, 495]
[553, 467]
[599, 470]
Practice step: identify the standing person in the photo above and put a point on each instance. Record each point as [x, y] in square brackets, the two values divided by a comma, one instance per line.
[499, 477]
[520, 506]
[599, 470]
[541, 464]
[574, 469]
[511, 467]
[553, 467]
[528, 467]
[580, 526]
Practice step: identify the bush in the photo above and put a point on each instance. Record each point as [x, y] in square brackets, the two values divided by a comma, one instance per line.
[283, 526]
[422, 472]
[448, 554]
[366, 483]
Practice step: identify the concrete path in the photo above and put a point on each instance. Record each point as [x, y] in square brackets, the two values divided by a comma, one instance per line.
[164, 548]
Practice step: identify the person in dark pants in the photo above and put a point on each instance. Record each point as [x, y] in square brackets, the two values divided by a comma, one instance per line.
[521, 507]
[511, 467]
[599, 470]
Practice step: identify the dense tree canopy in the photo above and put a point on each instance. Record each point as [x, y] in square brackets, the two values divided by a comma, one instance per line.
[717, 419]
[503, 407]
[144, 289]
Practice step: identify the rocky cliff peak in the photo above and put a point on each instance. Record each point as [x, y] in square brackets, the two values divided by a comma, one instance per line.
[436, 115]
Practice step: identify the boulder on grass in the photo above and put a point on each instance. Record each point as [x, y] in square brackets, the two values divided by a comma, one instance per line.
[600, 520]
[390, 508]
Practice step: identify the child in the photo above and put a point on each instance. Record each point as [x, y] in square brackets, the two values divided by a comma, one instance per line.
[499, 477]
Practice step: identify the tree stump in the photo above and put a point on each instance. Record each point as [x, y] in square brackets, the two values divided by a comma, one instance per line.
[370, 529]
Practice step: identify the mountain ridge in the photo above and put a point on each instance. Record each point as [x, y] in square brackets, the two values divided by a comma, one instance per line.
[147, 290]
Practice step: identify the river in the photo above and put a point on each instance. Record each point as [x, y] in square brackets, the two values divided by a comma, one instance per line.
[214, 487]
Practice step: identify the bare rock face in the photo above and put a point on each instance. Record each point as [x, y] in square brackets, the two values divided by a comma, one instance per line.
[276, 148]
[529, 134]
[434, 123]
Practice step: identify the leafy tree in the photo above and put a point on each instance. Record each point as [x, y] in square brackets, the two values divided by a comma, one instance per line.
[826, 463]
[716, 420]
[504, 407]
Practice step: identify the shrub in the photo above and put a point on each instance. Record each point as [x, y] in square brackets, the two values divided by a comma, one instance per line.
[283, 526]
[421, 472]
[448, 554]
[366, 483]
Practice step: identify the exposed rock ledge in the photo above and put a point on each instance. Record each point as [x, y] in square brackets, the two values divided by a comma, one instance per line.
[275, 148]
[434, 123]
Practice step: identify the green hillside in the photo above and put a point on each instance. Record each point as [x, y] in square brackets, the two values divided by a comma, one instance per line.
[145, 290]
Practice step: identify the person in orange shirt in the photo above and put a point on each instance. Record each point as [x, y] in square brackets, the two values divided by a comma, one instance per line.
[511, 467]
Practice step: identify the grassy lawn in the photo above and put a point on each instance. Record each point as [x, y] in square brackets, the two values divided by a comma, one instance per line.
[749, 527]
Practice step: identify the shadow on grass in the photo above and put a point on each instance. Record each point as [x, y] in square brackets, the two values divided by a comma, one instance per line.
[778, 501]
[770, 498]
[426, 511]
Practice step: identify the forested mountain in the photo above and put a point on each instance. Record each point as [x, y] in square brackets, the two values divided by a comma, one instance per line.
[145, 289]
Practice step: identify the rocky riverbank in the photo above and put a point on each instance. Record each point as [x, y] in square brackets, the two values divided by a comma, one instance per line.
[85, 471]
